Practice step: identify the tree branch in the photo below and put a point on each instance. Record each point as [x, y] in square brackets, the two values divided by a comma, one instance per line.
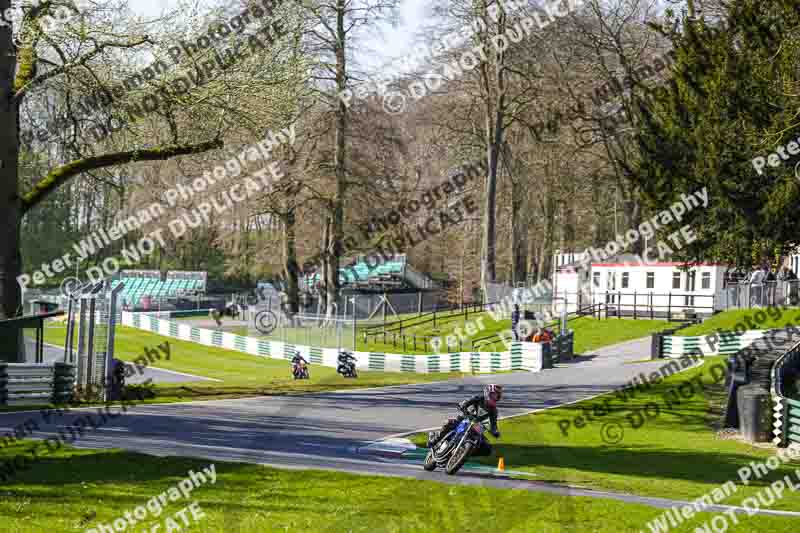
[64, 173]
[26, 85]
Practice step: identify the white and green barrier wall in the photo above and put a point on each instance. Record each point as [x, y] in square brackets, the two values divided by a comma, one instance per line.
[522, 356]
[714, 344]
[786, 407]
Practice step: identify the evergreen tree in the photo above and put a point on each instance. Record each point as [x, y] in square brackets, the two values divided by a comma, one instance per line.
[733, 97]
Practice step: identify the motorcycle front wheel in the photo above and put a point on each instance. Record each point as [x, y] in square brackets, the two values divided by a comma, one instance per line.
[458, 458]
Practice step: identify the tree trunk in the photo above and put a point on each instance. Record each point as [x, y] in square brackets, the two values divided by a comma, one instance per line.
[290, 262]
[10, 201]
[495, 117]
[534, 265]
[519, 234]
[337, 230]
[546, 249]
[633, 218]
[323, 275]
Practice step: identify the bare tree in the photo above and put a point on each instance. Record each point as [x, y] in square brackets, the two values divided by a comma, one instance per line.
[73, 59]
[333, 26]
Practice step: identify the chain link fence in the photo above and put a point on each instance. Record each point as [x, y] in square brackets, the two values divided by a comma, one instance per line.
[500, 292]
[304, 329]
[766, 294]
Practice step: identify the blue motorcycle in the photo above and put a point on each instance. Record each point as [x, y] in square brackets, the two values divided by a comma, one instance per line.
[453, 450]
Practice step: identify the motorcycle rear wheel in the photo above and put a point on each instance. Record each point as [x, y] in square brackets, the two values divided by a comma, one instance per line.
[458, 458]
[430, 462]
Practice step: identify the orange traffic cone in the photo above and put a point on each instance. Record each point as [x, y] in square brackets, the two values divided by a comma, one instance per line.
[501, 465]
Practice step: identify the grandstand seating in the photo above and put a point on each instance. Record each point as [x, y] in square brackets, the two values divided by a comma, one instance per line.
[388, 273]
[137, 287]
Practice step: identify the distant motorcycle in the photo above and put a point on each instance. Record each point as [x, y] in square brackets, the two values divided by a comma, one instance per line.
[347, 365]
[300, 369]
[453, 450]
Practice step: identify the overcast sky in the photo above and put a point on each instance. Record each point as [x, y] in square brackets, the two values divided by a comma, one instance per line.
[375, 52]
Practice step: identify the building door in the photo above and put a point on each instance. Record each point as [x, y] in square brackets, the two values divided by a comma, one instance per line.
[611, 286]
[690, 279]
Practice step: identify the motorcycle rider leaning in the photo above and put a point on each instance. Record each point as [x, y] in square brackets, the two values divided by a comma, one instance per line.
[486, 402]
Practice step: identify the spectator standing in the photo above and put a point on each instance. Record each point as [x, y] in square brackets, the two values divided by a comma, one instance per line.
[789, 279]
[515, 322]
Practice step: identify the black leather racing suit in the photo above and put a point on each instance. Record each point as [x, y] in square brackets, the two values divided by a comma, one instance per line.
[296, 360]
[478, 407]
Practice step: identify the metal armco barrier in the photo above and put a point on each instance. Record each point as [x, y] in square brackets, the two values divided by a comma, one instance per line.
[786, 411]
[787, 426]
[662, 343]
[64, 377]
[32, 384]
[563, 347]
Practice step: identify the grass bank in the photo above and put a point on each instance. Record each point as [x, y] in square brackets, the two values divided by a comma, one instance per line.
[609, 443]
[747, 319]
[75, 490]
[590, 333]
[240, 374]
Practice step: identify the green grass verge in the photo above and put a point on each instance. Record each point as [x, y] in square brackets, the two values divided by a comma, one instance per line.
[768, 318]
[675, 454]
[590, 333]
[241, 374]
[74, 490]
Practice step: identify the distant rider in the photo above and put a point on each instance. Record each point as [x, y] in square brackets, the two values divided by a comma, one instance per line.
[483, 406]
[347, 364]
[346, 357]
[515, 322]
[298, 361]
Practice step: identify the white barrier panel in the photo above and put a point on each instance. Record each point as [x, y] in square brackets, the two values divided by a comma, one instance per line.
[712, 344]
[527, 355]
[523, 355]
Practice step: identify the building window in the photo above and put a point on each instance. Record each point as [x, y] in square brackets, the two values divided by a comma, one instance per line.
[596, 279]
[676, 280]
[624, 280]
[705, 281]
[651, 280]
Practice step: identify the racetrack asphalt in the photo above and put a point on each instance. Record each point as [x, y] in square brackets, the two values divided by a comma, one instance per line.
[327, 430]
